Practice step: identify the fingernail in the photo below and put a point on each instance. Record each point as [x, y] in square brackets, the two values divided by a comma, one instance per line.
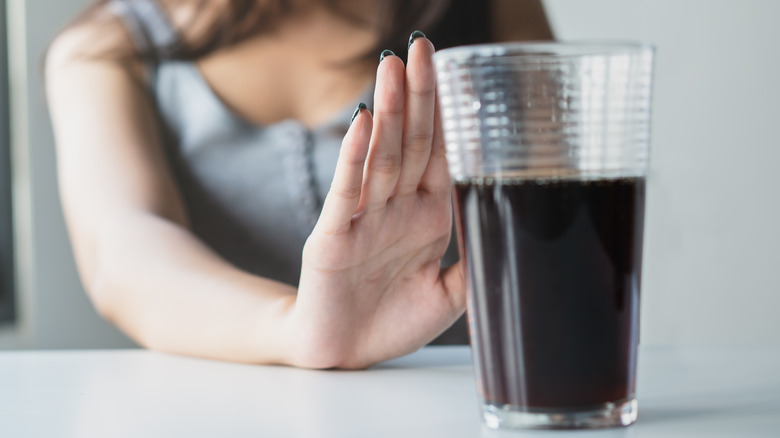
[361, 106]
[384, 54]
[416, 34]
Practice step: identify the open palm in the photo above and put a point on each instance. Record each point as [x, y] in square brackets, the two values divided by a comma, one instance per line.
[371, 285]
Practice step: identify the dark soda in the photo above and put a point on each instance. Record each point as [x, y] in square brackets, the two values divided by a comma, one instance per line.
[554, 268]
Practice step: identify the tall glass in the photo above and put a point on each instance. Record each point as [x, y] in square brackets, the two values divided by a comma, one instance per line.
[548, 145]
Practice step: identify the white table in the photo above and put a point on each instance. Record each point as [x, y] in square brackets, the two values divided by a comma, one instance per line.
[692, 392]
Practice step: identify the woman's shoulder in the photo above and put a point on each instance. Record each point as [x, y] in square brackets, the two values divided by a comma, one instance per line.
[91, 66]
[99, 41]
[129, 30]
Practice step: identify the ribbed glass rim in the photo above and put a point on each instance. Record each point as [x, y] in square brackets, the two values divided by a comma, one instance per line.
[543, 50]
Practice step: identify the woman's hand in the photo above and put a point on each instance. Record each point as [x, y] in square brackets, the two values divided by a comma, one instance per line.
[371, 285]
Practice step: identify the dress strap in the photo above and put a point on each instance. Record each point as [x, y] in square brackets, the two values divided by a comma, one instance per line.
[148, 25]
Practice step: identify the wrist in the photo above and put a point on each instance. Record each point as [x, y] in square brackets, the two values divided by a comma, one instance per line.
[273, 332]
[309, 342]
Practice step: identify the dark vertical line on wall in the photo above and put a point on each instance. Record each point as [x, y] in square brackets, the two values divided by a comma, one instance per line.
[7, 289]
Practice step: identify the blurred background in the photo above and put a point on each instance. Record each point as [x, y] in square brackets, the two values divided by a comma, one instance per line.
[712, 240]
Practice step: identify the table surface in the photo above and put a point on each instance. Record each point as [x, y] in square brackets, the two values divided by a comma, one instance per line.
[690, 392]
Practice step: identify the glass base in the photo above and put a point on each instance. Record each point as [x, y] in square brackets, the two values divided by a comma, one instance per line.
[616, 414]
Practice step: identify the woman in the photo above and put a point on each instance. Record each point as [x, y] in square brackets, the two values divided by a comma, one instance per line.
[197, 143]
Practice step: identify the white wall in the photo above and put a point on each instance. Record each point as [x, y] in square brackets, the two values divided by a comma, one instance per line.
[712, 242]
[713, 215]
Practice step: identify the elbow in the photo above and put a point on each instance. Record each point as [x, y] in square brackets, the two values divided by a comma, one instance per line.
[112, 303]
[102, 294]
[107, 287]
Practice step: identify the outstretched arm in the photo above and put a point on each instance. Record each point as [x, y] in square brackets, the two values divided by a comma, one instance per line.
[371, 287]
[142, 268]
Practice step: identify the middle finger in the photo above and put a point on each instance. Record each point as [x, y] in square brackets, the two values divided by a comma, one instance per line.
[420, 103]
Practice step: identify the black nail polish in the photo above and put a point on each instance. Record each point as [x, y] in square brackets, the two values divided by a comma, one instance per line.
[416, 34]
[384, 54]
[361, 106]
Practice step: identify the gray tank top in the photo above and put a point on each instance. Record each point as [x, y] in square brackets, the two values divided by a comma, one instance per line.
[253, 193]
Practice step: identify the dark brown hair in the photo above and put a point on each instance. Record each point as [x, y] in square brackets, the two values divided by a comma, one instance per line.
[237, 20]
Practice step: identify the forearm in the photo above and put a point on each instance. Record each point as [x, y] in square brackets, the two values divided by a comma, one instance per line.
[142, 268]
[169, 292]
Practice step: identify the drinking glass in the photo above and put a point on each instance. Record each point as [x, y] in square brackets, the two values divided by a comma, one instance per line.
[547, 145]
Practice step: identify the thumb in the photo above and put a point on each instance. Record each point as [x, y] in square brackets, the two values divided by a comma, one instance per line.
[454, 280]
